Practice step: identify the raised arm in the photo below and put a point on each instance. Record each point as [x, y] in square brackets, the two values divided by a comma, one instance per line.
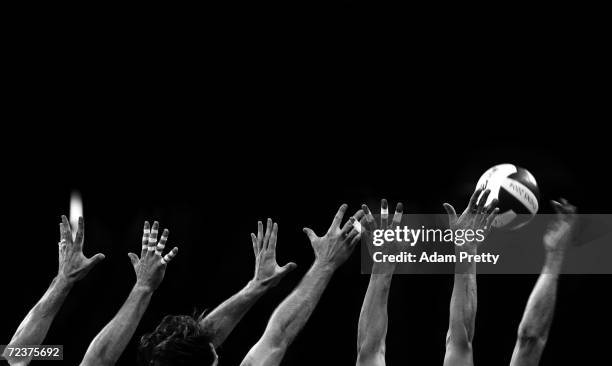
[373, 319]
[291, 315]
[73, 266]
[462, 318]
[150, 268]
[222, 320]
[537, 319]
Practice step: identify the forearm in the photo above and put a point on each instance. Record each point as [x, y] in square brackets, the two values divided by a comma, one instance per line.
[373, 319]
[108, 345]
[463, 304]
[223, 319]
[537, 319]
[290, 317]
[541, 304]
[35, 325]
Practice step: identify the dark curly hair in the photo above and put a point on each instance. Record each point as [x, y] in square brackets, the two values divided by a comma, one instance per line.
[177, 341]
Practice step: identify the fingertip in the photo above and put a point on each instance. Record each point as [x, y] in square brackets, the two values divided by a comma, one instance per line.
[399, 207]
[384, 203]
[358, 215]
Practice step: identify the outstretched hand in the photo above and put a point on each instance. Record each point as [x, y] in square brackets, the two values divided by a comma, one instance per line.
[334, 248]
[73, 265]
[370, 224]
[559, 232]
[476, 216]
[151, 266]
[267, 270]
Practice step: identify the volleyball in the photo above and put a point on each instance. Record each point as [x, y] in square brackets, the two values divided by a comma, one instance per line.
[517, 192]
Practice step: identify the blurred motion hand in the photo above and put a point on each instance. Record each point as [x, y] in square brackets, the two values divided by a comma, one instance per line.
[559, 232]
[151, 266]
[334, 248]
[267, 271]
[475, 217]
[73, 265]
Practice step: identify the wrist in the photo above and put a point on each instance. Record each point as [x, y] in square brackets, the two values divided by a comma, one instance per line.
[383, 268]
[555, 253]
[553, 261]
[143, 288]
[63, 282]
[324, 266]
[466, 248]
[257, 286]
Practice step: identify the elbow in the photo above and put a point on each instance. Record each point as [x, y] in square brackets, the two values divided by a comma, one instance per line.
[370, 351]
[279, 341]
[459, 339]
[531, 338]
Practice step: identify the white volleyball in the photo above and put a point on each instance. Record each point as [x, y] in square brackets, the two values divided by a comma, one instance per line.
[517, 192]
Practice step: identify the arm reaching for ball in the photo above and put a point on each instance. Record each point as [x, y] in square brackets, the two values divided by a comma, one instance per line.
[150, 268]
[220, 322]
[464, 298]
[73, 266]
[373, 319]
[331, 250]
[537, 319]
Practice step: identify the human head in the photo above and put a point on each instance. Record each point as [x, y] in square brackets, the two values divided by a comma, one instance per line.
[177, 341]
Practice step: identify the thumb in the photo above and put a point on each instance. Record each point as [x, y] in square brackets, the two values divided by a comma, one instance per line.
[133, 258]
[452, 215]
[288, 268]
[311, 235]
[95, 259]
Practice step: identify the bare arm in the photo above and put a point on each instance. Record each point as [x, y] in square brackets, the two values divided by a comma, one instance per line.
[290, 317]
[462, 318]
[538, 316]
[292, 314]
[223, 319]
[373, 319]
[107, 346]
[73, 265]
[34, 327]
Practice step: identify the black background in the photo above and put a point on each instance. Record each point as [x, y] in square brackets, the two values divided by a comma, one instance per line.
[210, 126]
